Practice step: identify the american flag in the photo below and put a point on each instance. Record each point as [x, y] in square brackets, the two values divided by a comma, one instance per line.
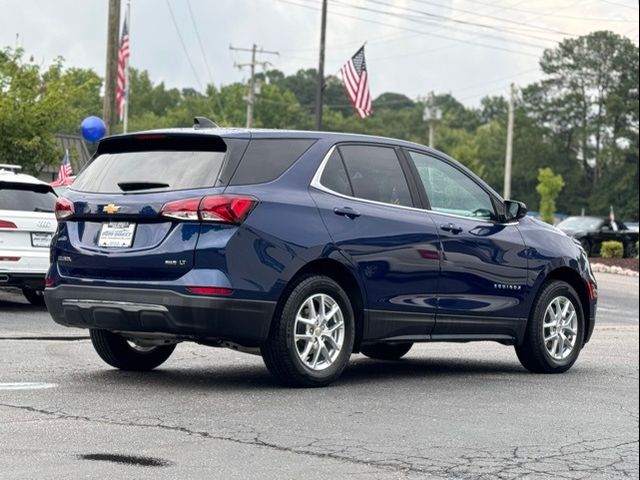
[123, 61]
[356, 83]
[65, 172]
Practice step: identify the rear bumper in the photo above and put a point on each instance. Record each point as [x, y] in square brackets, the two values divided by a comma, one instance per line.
[34, 281]
[245, 322]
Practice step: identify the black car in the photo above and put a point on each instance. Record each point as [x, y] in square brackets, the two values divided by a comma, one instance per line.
[592, 231]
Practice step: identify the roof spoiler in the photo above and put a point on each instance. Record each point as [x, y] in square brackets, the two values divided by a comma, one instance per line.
[203, 122]
[13, 168]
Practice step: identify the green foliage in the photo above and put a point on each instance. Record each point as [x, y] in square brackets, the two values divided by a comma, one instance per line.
[549, 187]
[612, 249]
[36, 102]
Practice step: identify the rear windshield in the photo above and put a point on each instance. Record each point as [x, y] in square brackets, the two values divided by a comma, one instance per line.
[26, 197]
[142, 172]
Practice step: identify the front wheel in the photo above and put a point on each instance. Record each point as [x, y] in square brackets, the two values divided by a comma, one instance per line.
[312, 334]
[120, 353]
[555, 330]
[386, 351]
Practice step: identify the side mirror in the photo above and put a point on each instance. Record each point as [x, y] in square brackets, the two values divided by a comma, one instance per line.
[514, 210]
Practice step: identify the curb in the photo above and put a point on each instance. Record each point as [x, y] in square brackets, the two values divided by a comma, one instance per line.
[602, 268]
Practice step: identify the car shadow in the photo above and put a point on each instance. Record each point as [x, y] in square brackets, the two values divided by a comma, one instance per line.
[361, 371]
[14, 302]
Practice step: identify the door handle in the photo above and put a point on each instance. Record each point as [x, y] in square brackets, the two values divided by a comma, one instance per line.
[346, 212]
[451, 227]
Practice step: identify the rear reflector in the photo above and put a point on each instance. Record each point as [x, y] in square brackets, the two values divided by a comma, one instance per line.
[232, 209]
[7, 224]
[593, 291]
[64, 209]
[9, 259]
[48, 282]
[210, 290]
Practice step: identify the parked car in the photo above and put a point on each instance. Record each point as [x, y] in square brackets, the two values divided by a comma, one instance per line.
[592, 231]
[27, 224]
[305, 247]
[633, 226]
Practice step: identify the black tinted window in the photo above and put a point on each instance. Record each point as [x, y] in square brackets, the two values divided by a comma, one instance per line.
[334, 176]
[267, 159]
[150, 171]
[376, 174]
[26, 198]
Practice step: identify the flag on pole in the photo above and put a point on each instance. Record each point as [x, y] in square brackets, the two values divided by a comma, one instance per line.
[123, 65]
[356, 83]
[65, 172]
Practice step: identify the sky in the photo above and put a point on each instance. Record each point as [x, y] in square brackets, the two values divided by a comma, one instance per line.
[469, 48]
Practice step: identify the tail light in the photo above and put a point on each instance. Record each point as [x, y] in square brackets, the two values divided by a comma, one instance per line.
[7, 224]
[64, 209]
[232, 209]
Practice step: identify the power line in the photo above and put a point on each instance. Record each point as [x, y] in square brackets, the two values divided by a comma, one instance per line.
[466, 22]
[420, 32]
[184, 47]
[426, 22]
[204, 58]
[555, 15]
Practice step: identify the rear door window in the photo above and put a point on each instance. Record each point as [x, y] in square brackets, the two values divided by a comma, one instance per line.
[334, 177]
[267, 159]
[150, 171]
[26, 197]
[375, 174]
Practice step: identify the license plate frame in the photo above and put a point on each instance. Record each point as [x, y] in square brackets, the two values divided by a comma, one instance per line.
[41, 239]
[116, 235]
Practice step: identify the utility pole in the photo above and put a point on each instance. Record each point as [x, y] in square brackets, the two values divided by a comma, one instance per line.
[320, 86]
[509, 153]
[109, 109]
[251, 97]
[431, 115]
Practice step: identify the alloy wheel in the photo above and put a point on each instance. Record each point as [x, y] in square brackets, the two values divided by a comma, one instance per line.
[560, 328]
[319, 331]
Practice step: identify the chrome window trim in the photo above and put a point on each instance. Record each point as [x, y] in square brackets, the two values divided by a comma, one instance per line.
[315, 183]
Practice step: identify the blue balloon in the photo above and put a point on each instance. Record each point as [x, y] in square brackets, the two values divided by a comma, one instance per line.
[92, 128]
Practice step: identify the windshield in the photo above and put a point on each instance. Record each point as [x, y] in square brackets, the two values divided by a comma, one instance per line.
[580, 223]
[26, 197]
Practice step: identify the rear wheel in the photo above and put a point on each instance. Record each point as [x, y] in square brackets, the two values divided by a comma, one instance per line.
[312, 334]
[120, 353]
[555, 330]
[386, 351]
[34, 296]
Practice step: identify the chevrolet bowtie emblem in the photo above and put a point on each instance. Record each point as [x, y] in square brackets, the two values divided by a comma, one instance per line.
[111, 208]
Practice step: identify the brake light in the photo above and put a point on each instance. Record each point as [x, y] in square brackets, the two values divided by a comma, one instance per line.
[226, 208]
[213, 208]
[7, 224]
[210, 290]
[64, 209]
[48, 282]
[182, 209]
[593, 291]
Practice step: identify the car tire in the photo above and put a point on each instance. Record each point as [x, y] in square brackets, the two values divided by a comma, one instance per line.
[116, 351]
[586, 244]
[299, 352]
[34, 296]
[545, 347]
[386, 351]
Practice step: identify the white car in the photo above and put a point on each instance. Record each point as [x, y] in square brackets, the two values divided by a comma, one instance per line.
[27, 224]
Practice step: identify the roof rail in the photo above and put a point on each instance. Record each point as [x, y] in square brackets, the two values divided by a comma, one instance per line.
[11, 168]
[204, 122]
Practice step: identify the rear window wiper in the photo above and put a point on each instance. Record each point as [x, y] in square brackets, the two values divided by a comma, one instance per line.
[131, 186]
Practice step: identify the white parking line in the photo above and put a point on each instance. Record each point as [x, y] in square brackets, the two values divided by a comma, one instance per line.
[26, 386]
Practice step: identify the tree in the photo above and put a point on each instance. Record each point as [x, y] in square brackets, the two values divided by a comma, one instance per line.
[549, 187]
[35, 103]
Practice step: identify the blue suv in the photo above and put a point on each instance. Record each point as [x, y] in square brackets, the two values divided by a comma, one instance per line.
[305, 247]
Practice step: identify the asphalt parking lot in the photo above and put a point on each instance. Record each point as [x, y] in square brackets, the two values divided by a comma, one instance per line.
[445, 411]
